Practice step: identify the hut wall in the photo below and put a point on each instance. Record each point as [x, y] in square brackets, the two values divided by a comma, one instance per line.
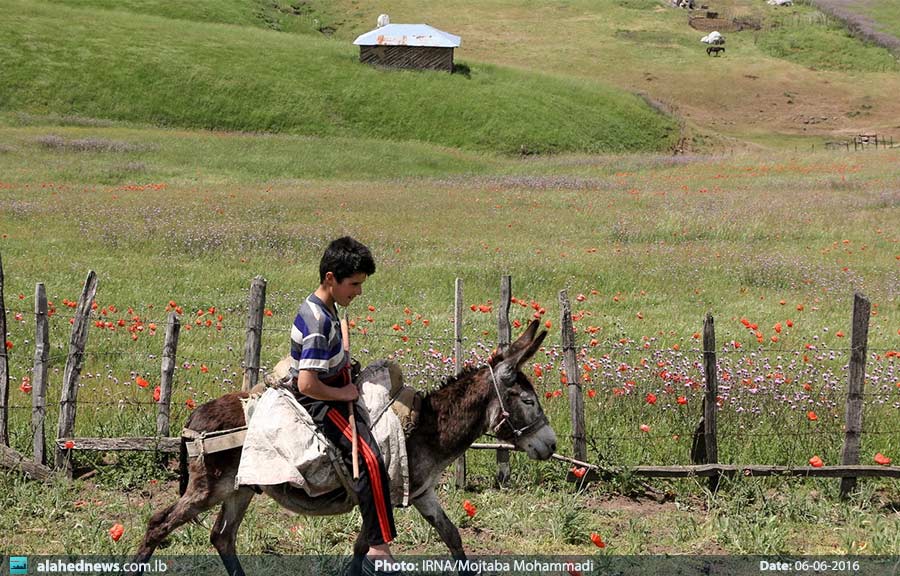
[414, 57]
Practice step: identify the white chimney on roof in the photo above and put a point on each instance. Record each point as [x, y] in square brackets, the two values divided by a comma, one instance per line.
[383, 20]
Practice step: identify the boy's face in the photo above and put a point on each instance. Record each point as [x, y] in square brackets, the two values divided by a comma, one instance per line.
[347, 289]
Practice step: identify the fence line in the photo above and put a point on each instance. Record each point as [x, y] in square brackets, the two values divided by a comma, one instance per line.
[4, 367]
[704, 452]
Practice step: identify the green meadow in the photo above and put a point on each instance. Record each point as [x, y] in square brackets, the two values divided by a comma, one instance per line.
[180, 151]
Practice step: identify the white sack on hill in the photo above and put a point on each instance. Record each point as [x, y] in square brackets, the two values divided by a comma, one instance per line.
[713, 38]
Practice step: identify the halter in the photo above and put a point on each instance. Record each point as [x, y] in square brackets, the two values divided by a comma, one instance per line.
[504, 414]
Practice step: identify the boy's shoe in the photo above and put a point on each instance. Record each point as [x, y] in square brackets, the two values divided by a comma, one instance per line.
[368, 569]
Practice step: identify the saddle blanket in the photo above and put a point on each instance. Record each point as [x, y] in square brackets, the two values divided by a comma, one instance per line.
[283, 444]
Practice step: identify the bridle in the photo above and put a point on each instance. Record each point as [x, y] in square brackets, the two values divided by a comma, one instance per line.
[503, 417]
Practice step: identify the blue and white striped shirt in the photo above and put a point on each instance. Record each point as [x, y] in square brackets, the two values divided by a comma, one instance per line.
[316, 341]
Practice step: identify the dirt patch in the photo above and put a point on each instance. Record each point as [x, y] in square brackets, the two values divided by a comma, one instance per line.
[705, 24]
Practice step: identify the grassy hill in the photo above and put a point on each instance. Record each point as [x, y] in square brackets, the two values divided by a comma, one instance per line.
[180, 72]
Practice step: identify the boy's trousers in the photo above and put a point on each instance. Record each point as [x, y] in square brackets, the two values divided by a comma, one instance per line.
[373, 489]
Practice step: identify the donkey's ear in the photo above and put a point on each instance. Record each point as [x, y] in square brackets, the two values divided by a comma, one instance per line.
[522, 341]
[516, 347]
[529, 351]
[525, 347]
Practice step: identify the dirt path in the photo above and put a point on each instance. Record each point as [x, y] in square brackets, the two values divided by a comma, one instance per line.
[850, 11]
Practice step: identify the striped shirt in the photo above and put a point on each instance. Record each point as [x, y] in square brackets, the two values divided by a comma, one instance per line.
[316, 342]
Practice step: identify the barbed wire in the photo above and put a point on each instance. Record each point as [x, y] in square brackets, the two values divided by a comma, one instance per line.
[364, 331]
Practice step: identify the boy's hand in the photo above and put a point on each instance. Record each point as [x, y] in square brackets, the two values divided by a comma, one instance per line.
[349, 393]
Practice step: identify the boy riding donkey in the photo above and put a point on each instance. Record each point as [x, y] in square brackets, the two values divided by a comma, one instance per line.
[321, 372]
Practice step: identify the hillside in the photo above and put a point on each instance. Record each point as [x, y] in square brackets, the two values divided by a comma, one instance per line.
[800, 78]
[182, 72]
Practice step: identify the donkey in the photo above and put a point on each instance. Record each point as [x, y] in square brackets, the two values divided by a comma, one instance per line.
[496, 397]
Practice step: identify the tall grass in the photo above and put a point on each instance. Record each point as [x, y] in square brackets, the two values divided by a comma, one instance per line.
[823, 45]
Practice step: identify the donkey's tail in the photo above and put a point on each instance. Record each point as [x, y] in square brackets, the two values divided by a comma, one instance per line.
[183, 467]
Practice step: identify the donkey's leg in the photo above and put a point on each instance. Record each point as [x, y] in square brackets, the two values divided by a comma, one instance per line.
[430, 508]
[224, 532]
[164, 522]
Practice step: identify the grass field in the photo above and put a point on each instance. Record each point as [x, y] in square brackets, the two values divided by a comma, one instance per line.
[160, 149]
[652, 243]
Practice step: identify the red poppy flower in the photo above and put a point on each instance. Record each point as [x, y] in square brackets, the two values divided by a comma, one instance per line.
[156, 394]
[141, 382]
[578, 472]
[682, 400]
[816, 462]
[537, 371]
[644, 428]
[651, 398]
[204, 369]
[190, 403]
[69, 445]
[469, 508]
[592, 393]
[371, 308]
[116, 532]
[882, 459]
[597, 540]
[812, 416]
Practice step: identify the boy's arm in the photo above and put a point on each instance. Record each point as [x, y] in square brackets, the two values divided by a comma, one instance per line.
[309, 385]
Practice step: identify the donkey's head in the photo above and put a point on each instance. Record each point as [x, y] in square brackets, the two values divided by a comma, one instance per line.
[516, 415]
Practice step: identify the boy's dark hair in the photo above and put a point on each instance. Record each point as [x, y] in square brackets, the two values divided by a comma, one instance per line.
[345, 257]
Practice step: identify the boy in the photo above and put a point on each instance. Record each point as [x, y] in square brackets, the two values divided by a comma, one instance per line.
[321, 369]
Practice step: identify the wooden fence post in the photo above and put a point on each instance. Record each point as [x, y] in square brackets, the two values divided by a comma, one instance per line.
[72, 373]
[170, 349]
[253, 344]
[854, 412]
[710, 449]
[457, 366]
[504, 337]
[39, 373]
[576, 400]
[4, 368]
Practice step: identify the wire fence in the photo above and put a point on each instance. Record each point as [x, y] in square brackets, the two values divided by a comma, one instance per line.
[641, 394]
